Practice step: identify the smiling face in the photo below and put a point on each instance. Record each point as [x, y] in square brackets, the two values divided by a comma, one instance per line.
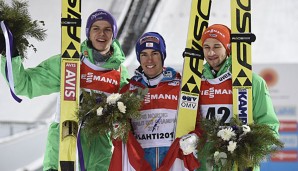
[214, 53]
[101, 34]
[151, 62]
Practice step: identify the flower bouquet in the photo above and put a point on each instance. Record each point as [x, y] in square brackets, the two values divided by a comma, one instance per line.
[244, 145]
[99, 113]
[21, 25]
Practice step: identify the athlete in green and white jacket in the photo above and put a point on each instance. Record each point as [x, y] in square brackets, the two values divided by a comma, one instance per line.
[217, 78]
[103, 57]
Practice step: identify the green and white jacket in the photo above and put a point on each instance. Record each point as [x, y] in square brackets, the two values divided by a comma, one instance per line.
[45, 79]
[263, 111]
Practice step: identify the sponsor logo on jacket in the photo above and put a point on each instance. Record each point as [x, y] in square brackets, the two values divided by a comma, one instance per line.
[174, 83]
[211, 92]
[226, 76]
[90, 77]
[150, 97]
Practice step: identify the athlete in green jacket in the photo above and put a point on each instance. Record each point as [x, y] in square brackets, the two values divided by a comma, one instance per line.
[103, 57]
[217, 75]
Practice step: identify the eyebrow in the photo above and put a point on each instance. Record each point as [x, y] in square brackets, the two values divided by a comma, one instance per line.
[218, 44]
[142, 53]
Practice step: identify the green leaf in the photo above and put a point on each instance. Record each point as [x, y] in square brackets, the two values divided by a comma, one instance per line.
[21, 25]
[252, 147]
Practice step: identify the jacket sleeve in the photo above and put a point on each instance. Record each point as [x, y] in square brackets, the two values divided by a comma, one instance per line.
[124, 76]
[51, 155]
[263, 111]
[43, 79]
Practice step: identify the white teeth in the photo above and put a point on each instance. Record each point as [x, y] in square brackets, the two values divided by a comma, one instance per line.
[150, 66]
[100, 40]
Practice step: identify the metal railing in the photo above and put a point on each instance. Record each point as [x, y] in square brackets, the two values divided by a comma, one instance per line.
[10, 128]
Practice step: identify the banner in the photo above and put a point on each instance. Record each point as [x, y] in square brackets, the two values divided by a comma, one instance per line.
[282, 83]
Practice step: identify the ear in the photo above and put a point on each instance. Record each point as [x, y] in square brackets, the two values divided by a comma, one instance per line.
[229, 48]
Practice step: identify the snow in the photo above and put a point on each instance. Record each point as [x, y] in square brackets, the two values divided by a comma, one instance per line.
[23, 149]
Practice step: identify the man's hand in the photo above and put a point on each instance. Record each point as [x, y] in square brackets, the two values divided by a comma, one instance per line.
[188, 143]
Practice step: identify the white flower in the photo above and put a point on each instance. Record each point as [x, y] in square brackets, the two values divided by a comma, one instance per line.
[222, 156]
[232, 146]
[113, 98]
[121, 107]
[216, 153]
[226, 134]
[245, 128]
[99, 111]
